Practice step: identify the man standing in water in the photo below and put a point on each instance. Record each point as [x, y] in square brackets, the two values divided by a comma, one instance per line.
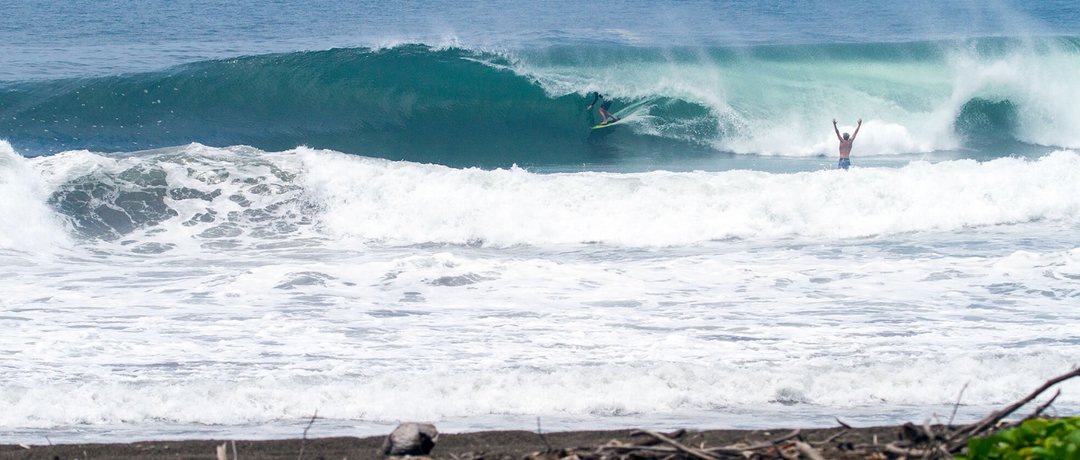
[845, 144]
[604, 106]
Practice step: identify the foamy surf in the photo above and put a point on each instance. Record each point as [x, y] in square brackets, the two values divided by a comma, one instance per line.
[201, 287]
[193, 194]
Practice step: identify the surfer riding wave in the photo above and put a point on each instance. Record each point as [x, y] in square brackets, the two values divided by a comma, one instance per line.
[605, 104]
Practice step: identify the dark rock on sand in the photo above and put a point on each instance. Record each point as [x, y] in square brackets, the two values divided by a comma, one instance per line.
[411, 439]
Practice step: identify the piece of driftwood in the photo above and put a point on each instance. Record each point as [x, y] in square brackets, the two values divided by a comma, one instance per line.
[1039, 410]
[831, 438]
[303, 440]
[680, 446]
[906, 451]
[959, 439]
[918, 442]
[808, 451]
[540, 433]
[957, 405]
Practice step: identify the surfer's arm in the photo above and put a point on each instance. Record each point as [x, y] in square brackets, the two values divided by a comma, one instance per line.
[596, 96]
[838, 130]
[856, 133]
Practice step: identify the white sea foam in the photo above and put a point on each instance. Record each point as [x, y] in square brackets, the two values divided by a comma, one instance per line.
[409, 203]
[412, 335]
[334, 282]
[26, 221]
[232, 195]
[1037, 81]
[778, 107]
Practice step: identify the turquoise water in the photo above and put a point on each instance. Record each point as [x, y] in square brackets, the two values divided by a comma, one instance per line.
[708, 107]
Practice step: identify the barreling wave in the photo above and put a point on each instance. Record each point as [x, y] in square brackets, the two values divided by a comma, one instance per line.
[461, 107]
[203, 197]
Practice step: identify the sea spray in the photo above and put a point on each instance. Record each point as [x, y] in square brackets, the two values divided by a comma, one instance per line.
[26, 222]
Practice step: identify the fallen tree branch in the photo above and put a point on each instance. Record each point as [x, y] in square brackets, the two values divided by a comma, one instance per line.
[1039, 410]
[842, 423]
[961, 437]
[893, 448]
[783, 453]
[541, 434]
[633, 448]
[761, 445]
[957, 405]
[304, 439]
[788, 436]
[680, 446]
[929, 431]
[808, 451]
[830, 438]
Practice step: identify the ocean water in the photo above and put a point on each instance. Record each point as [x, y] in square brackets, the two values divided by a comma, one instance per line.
[217, 220]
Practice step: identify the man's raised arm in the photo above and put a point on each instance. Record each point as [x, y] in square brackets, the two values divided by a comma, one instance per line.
[856, 133]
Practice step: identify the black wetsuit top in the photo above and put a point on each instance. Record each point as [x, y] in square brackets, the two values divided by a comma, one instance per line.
[598, 97]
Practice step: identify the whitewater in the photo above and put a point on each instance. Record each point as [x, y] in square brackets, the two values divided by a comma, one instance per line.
[190, 289]
[217, 220]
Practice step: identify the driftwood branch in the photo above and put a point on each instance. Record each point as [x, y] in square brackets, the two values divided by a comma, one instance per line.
[925, 442]
[791, 435]
[910, 452]
[682, 447]
[304, 439]
[831, 438]
[961, 437]
[1039, 410]
[808, 451]
[957, 405]
[541, 434]
[783, 453]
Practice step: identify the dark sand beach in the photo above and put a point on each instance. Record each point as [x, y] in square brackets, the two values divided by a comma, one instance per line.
[835, 442]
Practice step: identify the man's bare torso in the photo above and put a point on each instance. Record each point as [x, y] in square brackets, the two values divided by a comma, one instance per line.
[845, 148]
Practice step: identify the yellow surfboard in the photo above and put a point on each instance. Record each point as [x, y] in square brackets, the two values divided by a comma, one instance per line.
[608, 124]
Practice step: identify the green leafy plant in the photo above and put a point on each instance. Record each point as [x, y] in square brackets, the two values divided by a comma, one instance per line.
[1036, 439]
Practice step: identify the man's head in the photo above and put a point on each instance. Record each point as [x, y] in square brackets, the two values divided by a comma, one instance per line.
[846, 135]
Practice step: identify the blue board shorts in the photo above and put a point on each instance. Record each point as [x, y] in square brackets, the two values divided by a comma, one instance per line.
[605, 105]
[844, 163]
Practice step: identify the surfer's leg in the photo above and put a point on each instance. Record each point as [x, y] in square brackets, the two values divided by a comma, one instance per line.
[604, 113]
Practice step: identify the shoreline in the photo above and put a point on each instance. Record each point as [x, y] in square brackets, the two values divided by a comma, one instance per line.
[502, 445]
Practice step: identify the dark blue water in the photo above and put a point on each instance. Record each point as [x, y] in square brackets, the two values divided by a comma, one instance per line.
[48, 39]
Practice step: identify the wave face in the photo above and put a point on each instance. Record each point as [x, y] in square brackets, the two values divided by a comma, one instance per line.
[461, 107]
